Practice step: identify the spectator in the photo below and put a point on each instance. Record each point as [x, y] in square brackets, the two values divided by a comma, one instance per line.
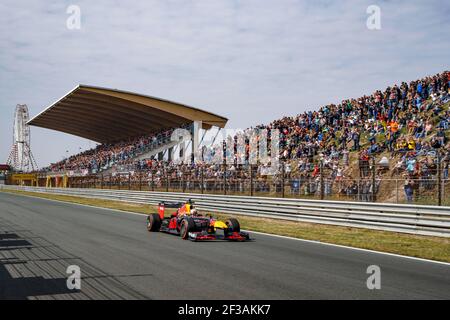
[408, 186]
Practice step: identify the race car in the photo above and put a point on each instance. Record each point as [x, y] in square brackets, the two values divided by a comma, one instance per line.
[188, 223]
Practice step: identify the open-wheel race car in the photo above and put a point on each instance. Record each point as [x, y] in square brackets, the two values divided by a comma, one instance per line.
[188, 223]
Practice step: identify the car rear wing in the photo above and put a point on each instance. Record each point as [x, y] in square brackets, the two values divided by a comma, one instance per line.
[171, 204]
[185, 207]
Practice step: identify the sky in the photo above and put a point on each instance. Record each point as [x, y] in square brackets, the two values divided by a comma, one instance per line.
[252, 61]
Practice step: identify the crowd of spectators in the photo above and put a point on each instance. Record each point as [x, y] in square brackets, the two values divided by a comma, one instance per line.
[408, 121]
[107, 155]
[405, 124]
[380, 116]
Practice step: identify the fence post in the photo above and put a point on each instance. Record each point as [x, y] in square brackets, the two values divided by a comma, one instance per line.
[140, 180]
[224, 178]
[439, 176]
[119, 180]
[183, 181]
[167, 180]
[359, 190]
[101, 182]
[282, 178]
[110, 180]
[374, 181]
[396, 190]
[202, 179]
[251, 180]
[129, 180]
[321, 180]
[153, 180]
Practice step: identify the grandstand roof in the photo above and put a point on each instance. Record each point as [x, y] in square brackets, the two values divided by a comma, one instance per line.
[106, 115]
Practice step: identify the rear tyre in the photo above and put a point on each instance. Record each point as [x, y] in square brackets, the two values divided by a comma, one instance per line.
[153, 222]
[233, 225]
[187, 225]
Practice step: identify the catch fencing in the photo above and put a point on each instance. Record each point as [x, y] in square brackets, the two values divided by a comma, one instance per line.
[406, 218]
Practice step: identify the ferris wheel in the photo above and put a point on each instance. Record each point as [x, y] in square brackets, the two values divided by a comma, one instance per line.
[21, 158]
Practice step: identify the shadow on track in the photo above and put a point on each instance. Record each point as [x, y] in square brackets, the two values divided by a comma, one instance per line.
[33, 268]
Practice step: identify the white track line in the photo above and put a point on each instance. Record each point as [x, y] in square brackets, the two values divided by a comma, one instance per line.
[352, 248]
[256, 232]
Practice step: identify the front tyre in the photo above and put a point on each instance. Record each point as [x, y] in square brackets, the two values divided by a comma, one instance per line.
[187, 225]
[233, 225]
[153, 222]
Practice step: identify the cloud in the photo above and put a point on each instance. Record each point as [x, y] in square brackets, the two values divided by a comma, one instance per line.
[252, 61]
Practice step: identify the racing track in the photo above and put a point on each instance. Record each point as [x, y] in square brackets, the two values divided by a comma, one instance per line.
[119, 259]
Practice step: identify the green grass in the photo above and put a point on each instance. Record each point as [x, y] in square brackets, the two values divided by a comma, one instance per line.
[434, 248]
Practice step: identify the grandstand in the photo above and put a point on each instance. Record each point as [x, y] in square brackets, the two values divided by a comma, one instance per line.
[127, 125]
[109, 115]
[358, 149]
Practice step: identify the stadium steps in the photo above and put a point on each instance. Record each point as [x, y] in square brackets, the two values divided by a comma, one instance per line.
[146, 155]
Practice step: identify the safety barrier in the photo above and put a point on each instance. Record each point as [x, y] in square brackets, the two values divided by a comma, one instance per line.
[414, 219]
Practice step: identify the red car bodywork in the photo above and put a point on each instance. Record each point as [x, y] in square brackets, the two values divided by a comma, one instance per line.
[189, 225]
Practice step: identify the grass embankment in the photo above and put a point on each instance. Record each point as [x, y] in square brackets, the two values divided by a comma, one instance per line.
[434, 248]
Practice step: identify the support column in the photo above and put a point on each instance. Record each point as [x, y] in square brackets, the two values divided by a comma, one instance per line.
[181, 152]
[196, 126]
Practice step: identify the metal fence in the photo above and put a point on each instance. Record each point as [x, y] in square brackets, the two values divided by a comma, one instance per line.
[400, 176]
[372, 181]
[414, 219]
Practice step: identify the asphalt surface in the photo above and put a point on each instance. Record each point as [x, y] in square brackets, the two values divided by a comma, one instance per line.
[119, 259]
